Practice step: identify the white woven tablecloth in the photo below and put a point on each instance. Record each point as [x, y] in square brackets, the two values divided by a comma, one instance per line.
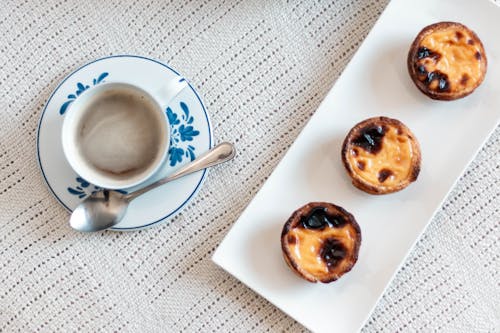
[262, 67]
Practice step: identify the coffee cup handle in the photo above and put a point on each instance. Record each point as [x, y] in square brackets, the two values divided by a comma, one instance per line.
[169, 91]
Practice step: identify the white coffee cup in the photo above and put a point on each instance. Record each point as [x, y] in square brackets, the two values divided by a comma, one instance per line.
[116, 135]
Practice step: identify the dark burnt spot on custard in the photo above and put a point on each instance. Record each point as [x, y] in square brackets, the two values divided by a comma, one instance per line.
[424, 52]
[464, 79]
[421, 70]
[320, 218]
[478, 55]
[332, 252]
[428, 77]
[370, 138]
[291, 239]
[383, 175]
[470, 42]
[441, 78]
[459, 35]
[360, 165]
[354, 152]
[443, 84]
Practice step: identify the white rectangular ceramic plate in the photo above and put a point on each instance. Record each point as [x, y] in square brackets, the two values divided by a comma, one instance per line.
[376, 82]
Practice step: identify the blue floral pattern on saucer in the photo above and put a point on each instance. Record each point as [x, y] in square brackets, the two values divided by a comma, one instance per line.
[182, 131]
[83, 188]
[80, 87]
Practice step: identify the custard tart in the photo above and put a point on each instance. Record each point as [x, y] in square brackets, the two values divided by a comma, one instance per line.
[320, 242]
[447, 61]
[381, 155]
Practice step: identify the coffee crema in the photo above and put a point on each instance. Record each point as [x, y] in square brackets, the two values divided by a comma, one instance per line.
[120, 133]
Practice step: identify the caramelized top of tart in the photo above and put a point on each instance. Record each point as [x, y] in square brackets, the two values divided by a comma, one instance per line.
[448, 59]
[321, 242]
[390, 164]
[381, 154]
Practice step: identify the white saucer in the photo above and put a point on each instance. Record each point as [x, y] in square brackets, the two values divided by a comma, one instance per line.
[191, 135]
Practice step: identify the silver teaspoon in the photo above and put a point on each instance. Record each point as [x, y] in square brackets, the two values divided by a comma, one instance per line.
[106, 208]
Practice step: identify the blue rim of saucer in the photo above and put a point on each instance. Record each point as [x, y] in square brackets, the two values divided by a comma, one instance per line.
[195, 190]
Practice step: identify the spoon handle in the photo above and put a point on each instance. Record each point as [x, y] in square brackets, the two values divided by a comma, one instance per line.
[223, 152]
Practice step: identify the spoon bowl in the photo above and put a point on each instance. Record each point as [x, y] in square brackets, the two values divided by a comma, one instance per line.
[103, 209]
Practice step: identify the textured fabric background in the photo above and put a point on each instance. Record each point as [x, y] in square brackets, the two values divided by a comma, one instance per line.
[262, 67]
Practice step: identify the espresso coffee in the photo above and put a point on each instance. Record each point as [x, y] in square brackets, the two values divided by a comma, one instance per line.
[121, 133]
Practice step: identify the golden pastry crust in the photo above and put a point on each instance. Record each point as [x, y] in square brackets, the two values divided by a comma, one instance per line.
[447, 61]
[381, 155]
[320, 242]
